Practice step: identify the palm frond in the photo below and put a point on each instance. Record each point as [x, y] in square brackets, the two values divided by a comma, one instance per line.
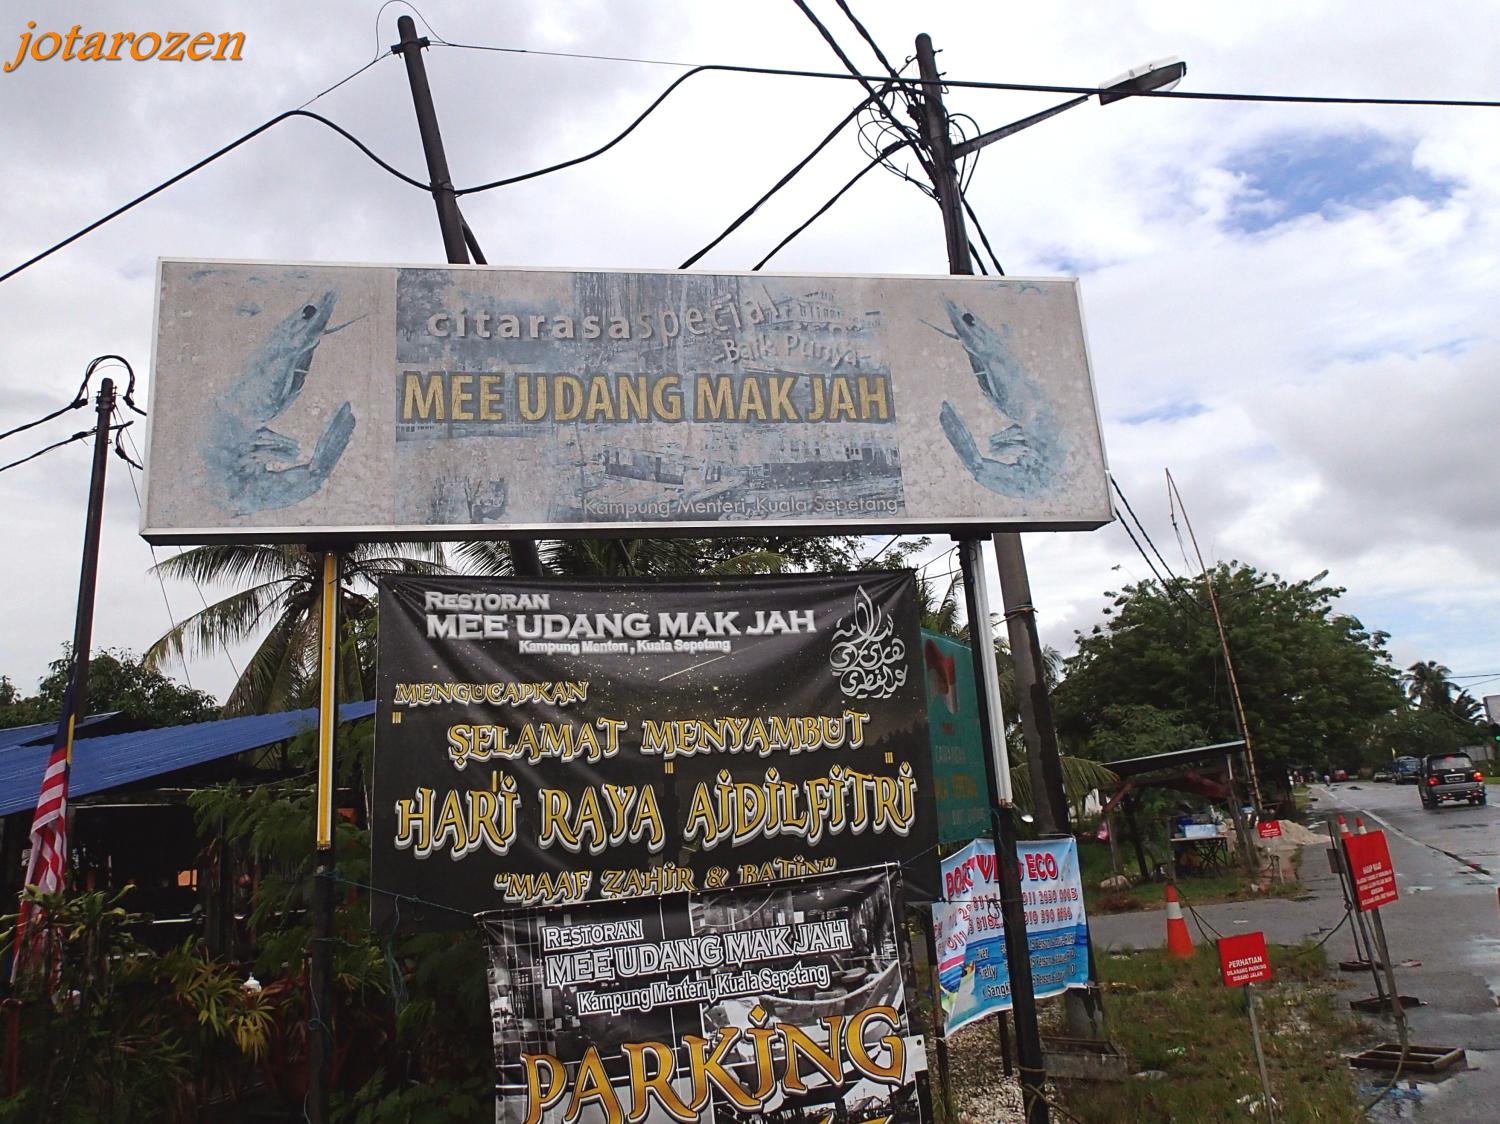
[216, 627]
[1080, 777]
[236, 562]
[276, 676]
[751, 562]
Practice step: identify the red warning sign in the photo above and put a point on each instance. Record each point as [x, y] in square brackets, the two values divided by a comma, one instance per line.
[1370, 864]
[1269, 829]
[1243, 959]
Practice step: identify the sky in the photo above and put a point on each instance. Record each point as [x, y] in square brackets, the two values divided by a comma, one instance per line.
[1291, 307]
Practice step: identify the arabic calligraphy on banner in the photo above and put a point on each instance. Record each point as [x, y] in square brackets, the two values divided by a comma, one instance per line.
[550, 741]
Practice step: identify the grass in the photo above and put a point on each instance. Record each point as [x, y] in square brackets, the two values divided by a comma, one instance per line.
[1231, 886]
[1178, 1018]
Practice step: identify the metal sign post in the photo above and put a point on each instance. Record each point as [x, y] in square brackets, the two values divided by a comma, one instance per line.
[1029, 1056]
[320, 966]
[1243, 960]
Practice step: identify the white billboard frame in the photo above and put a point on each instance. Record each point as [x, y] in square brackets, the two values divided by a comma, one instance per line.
[1071, 369]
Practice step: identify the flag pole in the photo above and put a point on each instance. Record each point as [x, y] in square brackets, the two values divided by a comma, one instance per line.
[49, 827]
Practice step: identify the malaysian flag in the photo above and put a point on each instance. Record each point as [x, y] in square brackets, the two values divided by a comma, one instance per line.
[49, 838]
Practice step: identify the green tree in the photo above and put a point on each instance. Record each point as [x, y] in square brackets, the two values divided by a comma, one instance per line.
[677, 557]
[281, 594]
[1313, 680]
[118, 680]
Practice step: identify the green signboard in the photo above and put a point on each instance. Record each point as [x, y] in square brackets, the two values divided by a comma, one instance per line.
[957, 753]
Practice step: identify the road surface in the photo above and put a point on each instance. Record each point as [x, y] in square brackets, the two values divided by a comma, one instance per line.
[1447, 872]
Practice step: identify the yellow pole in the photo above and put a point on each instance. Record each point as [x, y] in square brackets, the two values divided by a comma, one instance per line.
[327, 696]
[320, 965]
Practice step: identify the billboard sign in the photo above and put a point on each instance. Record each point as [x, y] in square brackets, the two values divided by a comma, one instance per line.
[549, 741]
[791, 1001]
[387, 402]
[973, 975]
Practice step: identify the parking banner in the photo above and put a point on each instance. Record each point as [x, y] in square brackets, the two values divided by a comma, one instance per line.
[973, 977]
[792, 1001]
[550, 741]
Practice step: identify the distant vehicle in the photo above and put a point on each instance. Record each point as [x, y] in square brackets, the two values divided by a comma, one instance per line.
[1340, 774]
[1384, 776]
[1406, 769]
[1450, 776]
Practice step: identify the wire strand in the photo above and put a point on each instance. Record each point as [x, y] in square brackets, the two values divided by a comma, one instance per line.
[983, 238]
[1015, 87]
[839, 194]
[79, 436]
[207, 160]
[782, 182]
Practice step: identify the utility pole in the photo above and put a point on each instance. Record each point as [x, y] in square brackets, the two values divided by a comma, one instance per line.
[1051, 809]
[1032, 701]
[48, 866]
[450, 222]
[456, 236]
[933, 125]
[75, 702]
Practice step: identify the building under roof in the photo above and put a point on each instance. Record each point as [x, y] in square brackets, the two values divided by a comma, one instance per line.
[129, 821]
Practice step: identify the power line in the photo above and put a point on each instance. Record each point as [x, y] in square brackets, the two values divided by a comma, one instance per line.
[866, 80]
[782, 182]
[982, 236]
[207, 160]
[559, 54]
[1015, 87]
[80, 400]
[1146, 534]
[837, 195]
[81, 397]
[79, 436]
[868, 38]
[171, 617]
[902, 128]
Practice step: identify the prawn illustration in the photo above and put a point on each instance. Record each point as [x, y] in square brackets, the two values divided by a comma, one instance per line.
[241, 447]
[1027, 451]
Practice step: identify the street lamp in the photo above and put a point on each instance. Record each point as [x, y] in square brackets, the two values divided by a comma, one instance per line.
[1163, 74]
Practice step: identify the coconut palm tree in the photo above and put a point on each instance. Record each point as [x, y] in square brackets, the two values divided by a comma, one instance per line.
[282, 593]
[1428, 684]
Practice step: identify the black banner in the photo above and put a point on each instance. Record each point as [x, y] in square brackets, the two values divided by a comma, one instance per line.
[793, 1000]
[547, 741]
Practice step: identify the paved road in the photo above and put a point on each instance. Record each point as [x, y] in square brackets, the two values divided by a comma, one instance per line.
[1447, 870]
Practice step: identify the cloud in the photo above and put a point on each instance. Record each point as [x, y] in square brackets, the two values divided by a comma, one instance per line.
[1290, 306]
[1292, 175]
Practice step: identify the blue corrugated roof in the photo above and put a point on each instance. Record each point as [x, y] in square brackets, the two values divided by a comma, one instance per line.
[44, 732]
[119, 759]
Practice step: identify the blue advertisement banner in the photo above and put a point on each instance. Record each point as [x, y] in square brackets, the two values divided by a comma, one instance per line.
[973, 978]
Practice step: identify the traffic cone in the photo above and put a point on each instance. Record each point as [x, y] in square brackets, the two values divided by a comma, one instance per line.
[1343, 827]
[1359, 825]
[1179, 941]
